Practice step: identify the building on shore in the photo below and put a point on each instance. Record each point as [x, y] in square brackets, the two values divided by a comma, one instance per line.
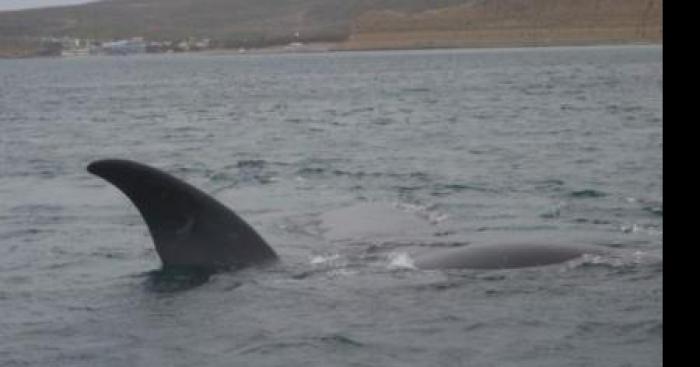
[134, 45]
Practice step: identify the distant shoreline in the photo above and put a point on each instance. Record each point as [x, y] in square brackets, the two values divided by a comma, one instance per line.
[323, 47]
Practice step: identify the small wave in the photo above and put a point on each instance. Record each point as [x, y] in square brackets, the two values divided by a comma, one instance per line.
[411, 180]
[333, 341]
[383, 121]
[423, 211]
[591, 221]
[588, 193]
[22, 233]
[330, 265]
[449, 188]
[324, 259]
[654, 207]
[548, 184]
[338, 340]
[356, 111]
[618, 260]
[553, 212]
[401, 260]
[636, 228]
[634, 330]
[656, 210]
[110, 254]
[156, 116]
[249, 170]
[310, 171]
[251, 163]
[275, 347]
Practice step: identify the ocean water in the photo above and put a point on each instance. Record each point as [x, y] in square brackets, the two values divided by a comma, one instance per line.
[558, 143]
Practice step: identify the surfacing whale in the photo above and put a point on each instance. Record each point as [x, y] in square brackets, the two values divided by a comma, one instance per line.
[503, 256]
[190, 228]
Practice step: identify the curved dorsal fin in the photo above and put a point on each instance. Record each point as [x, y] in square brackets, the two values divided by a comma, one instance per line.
[188, 227]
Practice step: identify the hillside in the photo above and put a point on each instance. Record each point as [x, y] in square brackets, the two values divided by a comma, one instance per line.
[231, 20]
[354, 23]
[512, 22]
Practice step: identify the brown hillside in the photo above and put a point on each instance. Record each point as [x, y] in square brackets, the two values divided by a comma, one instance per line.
[512, 22]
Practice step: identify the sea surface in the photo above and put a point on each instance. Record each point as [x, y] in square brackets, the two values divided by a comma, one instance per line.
[559, 143]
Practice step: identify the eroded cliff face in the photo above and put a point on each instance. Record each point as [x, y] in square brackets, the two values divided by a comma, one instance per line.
[512, 22]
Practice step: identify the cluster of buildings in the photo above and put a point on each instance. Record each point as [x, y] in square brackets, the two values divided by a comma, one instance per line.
[69, 46]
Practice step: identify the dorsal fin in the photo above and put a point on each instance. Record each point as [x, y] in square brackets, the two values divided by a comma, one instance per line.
[188, 227]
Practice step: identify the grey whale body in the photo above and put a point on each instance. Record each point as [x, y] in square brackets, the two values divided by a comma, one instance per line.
[503, 256]
[190, 228]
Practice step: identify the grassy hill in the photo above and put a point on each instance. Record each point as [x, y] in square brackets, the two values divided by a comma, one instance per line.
[361, 23]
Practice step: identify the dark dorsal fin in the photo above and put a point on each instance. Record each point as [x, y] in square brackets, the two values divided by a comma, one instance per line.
[189, 227]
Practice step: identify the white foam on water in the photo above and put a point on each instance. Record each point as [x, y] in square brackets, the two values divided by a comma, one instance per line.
[401, 260]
